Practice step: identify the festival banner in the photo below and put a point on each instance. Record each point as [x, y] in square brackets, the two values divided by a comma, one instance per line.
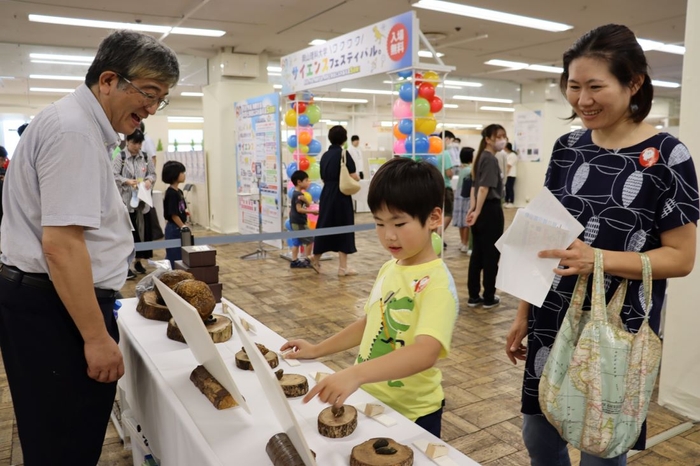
[258, 166]
[389, 45]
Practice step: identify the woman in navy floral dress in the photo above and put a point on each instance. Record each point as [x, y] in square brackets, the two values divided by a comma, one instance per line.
[633, 188]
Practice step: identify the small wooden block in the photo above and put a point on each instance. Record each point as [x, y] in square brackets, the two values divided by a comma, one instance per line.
[332, 426]
[373, 409]
[320, 376]
[436, 450]
[211, 388]
[149, 307]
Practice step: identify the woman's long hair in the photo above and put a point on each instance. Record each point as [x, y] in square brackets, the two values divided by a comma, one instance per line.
[488, 132]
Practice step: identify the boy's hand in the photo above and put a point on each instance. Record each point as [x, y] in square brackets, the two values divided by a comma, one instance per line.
[335, 388]
[301, 349]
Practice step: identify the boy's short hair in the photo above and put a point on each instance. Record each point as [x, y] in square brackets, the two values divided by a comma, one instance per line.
[404, 185]
[299, 176]
[354, 138]
[136, 137]
[171, 171]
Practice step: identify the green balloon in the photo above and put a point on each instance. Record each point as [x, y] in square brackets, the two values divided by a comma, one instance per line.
[314, 171]
[437, 243]
[314, 113]
[421, 107]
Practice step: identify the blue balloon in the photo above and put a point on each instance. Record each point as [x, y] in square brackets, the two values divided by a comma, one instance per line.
[314, 147]
[291, 168]
[407, 92]
[288, 225]
[431, 159]
[404, 74]
[421, 144]
[406, 126]
[315, 191]
[292, 141]
[290, 193]
[303, 120]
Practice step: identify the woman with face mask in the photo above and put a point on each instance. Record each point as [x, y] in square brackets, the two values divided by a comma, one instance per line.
[485, 217]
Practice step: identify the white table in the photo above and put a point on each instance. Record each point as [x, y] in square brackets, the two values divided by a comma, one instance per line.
[183, 428]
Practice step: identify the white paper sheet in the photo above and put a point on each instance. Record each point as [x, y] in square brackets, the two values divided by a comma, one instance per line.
[272, 389]
[543, 224]
[192, 327]
[145, 194]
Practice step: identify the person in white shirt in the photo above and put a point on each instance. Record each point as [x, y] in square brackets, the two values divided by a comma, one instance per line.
[149, 147]
[511, 173]
[356, 154]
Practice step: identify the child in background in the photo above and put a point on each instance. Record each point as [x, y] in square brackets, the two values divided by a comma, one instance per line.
[298, 220]
[464, 186]
[411, 311]
[174, 207]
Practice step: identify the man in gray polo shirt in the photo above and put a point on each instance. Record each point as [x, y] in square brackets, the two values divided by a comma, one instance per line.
[66, 237]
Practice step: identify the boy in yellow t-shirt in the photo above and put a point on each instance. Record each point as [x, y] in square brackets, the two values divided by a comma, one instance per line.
[411, 311]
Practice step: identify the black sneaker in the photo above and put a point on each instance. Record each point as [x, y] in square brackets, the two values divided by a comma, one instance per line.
[138, 266]
[130, 275]
[296, 264]
[493, 303]
[305, 262]
[473, 302]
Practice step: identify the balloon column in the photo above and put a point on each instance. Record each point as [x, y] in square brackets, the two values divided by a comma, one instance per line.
[302, 115]
[414, 112]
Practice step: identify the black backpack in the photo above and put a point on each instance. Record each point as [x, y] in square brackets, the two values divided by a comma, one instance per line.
[466, 187]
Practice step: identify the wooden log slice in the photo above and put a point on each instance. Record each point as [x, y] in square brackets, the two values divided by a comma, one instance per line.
[332, 426]
[243, 361]
[149, 307]
[282, 452]
[212, 389]
[220, 329]
[294, 385]
[365, 454]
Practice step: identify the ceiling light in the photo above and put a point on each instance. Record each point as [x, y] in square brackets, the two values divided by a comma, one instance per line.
[386, 124]
[274, 69]
[492, 15]
[342, 100]
[449, 87]
[272, 73]
[670, 84]
[459, 125]
[516, 65]
[333, 122]
[55, 90]
[482, 99]
[185, 119]
[52, 56]
[131, 26]
[56, 62]
[57, 77]
[368, 91]
[497, 109]
[450, 106]
[318, 42]
[192, 94]
[659, 126]
[648, 45]
[277, 86]
[428, 54]
[462, 83]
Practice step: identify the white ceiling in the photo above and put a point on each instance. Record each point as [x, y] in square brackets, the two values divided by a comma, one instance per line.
[280, 27]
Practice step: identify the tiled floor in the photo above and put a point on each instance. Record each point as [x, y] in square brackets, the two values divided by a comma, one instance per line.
[482, 417]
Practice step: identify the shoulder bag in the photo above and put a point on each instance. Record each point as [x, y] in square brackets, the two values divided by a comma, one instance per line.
[348, 185]
[597, 382]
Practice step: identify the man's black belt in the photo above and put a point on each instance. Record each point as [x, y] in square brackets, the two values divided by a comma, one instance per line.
[41, 280]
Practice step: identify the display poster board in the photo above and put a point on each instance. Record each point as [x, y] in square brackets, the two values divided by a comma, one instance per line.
[194, 162]
[258, 157]
[528, 135]
[386, 46]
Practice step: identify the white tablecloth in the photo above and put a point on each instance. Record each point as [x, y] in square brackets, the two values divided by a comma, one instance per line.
[183, 428]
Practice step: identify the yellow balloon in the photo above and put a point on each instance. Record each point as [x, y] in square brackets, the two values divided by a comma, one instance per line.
[307, 196]
[426, 125]
[431, 77]
[291, 118]
[304, 148]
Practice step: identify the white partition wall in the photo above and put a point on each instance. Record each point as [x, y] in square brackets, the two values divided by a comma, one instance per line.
[679, 387]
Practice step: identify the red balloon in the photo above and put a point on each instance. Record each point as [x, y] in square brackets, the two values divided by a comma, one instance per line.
[427, 91]
[300, 107]
[435, 104]
[417, 79]
[292, 96]
[304, 163]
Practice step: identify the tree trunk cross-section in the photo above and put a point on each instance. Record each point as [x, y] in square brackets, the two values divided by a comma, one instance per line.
[294, 385]
[337, 427]
[150, 308]
[243, 361]
[212, 389]
[365, 454]
[220, 330]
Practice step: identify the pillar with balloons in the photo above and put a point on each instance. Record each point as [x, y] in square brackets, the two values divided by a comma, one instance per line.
[301, 116]
[414, 115]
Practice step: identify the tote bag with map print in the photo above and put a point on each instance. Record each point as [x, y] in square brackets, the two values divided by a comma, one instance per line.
[596, 385]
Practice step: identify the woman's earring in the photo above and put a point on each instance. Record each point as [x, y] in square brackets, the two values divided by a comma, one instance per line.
[634, 108]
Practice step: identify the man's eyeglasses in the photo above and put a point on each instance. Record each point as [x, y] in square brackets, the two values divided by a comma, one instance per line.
[150, 98]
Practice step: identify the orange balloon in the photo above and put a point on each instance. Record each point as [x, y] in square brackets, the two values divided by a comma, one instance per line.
[398, 134]
[304, 137]
[435, 144]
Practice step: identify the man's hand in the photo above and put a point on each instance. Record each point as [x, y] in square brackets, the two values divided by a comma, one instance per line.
[105, 363]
